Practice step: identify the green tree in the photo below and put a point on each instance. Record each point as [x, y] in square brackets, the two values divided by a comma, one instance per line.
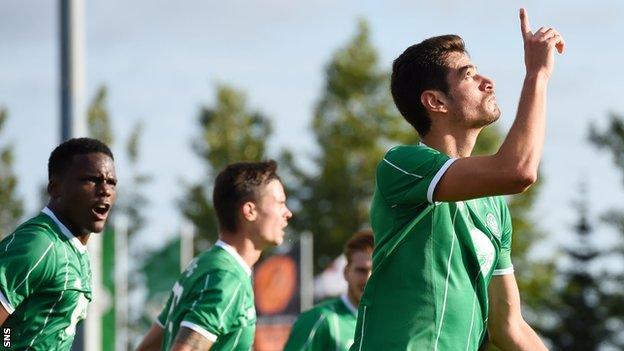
[98, 122]
[229, 132]
[11, 205]
[354, 123]
[585, 318]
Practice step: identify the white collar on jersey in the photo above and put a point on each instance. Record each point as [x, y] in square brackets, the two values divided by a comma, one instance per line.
[232, 251]
[82, 248]
[347, 302]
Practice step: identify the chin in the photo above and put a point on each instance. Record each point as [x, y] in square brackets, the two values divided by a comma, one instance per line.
[96, 228]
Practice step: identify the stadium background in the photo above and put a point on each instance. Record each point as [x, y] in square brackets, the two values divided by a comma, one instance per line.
[306, 84]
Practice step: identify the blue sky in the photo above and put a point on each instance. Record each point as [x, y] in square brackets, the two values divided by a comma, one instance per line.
[161, 61]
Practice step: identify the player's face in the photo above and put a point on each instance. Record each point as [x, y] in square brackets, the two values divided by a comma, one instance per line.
[471, 98]
[357, 273]
[84, 196]
[272, 215]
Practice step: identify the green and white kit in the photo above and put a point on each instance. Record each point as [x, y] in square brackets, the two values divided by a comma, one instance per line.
[329, 326]
[213, 297]
[45, 284]
[433, 261]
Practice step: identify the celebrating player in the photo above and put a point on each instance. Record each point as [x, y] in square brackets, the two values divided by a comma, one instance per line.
[211, 306]
[330, 325]
[442, 272]
[45, 274]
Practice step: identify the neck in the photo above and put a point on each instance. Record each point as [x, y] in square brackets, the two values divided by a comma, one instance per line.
[243, 245]
[452, 143]
[84, 238]
[354, 300]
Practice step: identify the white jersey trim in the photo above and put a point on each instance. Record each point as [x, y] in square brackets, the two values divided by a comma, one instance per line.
[206, 334]
[402, 170]
[82, 248]
[446, 284]
[504, 271]
[345, 300]
[313, 332]
[232, 251]
[229, 304]
[158, 323]
[6, 304]
[436, 179]
[35, 266]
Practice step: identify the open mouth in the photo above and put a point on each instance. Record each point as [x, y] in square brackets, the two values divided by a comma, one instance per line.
[101, 209]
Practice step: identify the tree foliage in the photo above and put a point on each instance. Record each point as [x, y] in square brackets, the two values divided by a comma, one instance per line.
[586, 318]
[229, 132]
[98, 122]
[11, 205]
[354, 123]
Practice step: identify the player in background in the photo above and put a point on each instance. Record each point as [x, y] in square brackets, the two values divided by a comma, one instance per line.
[331, 324]
[442, 273]
[45, 273]
[211, 306]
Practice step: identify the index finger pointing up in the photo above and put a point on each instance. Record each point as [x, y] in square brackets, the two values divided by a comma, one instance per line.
[525, 27]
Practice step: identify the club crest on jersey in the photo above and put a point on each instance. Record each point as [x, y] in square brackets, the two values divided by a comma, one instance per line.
[492, 224]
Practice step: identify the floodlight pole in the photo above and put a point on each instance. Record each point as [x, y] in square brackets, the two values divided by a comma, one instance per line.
[73, 112]
[73, 124]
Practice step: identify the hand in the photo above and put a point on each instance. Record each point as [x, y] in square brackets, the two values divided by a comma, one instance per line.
[539, 47]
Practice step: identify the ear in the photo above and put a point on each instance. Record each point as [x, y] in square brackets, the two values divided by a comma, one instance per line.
[434, 101]
[344, 271]
[249, 211]
[54, 189]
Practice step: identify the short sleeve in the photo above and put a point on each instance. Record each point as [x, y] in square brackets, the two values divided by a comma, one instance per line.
[27, 260]
[408, 175]
[214, 307]
[310, 333]
[504, 265]
[161, 319]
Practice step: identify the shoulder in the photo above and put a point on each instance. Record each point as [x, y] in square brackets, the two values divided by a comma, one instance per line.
[35, 235]
[412, 160]
[323, 309]
[220, 259]
[400, 152]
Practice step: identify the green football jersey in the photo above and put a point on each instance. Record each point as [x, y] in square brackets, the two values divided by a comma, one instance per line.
[45, 284]
[326, 327]
[213, 297]
[432, 262]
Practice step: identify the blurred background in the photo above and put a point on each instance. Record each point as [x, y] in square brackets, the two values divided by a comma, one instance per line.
[180, 89]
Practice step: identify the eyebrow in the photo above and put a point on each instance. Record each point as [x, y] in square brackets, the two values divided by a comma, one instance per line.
[462, 70]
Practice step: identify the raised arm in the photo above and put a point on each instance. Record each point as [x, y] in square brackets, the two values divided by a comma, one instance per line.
[514, 167]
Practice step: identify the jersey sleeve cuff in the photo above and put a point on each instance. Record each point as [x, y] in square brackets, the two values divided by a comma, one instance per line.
[437, 177]
[6, 304]
[159, 323]
[194, 327]
[504, 271]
